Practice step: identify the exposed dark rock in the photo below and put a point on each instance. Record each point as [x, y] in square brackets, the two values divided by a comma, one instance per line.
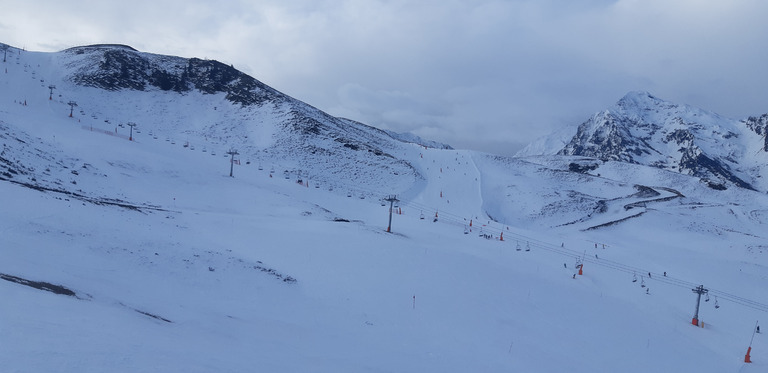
[125, 68]
[40, 285]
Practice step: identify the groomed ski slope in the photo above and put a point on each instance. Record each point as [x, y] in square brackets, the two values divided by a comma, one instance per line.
[198, 277]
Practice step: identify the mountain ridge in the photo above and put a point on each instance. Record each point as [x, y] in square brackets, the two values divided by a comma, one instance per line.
[265, 125]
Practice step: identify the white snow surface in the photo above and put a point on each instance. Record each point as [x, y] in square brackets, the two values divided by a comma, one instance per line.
[177, 267]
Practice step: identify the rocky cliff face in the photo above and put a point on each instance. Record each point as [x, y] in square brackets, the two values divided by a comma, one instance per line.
[116, 67]
[759, 125]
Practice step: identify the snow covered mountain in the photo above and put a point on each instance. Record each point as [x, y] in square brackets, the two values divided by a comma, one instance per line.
[264, 125]
[136, 251]
[643, 129]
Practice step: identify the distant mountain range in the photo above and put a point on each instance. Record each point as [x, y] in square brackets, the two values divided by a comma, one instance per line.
[643, 129]
[268, 126]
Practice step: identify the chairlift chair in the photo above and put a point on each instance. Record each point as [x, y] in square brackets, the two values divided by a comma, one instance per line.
[517, 248]
[716, 305]
[527, 246]
[634, 277]
[642, 282]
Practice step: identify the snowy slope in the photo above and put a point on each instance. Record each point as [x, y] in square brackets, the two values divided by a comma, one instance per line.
[177, 267]
[220, 108]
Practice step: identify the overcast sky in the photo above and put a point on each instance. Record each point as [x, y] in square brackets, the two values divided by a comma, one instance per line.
[483, 75]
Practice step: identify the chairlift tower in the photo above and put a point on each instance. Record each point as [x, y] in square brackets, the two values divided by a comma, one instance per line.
[131, 124]
[72, 105]
[232, 153]
[51, 87]
[4, 47]
[391, 199]
[698, 290]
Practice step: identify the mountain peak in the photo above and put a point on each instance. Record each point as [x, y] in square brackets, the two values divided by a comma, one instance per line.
[639, 100]
[637, 96]
[643, 129]
[643, 104]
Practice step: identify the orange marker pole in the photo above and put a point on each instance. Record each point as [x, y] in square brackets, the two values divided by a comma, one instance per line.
[749, 349]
